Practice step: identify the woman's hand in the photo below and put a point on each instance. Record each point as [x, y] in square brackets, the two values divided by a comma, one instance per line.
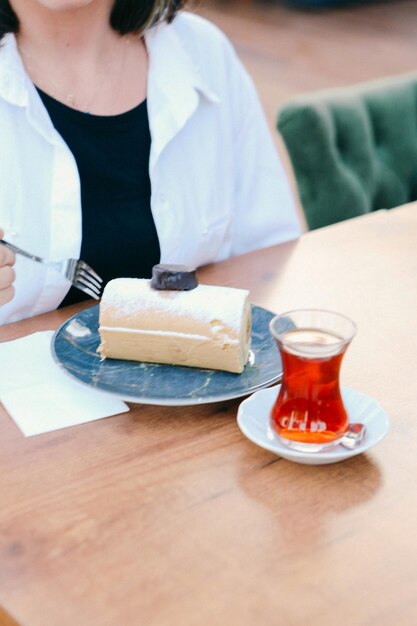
[7, 275]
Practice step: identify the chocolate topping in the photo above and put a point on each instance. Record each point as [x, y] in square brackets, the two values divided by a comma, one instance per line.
[173, 277]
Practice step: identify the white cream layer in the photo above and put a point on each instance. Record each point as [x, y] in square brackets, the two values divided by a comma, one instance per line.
[163, 333]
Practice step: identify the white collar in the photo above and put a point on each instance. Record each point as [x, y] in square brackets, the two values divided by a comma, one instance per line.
[13, 78]
[176, 67]
[175, 86]
[17, 88]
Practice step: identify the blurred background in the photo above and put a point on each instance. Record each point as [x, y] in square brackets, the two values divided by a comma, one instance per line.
[293, 47]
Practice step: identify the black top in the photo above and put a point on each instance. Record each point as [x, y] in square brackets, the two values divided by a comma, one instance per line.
[119, 238]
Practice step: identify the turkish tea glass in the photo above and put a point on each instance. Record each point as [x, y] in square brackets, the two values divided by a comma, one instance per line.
[308, 414]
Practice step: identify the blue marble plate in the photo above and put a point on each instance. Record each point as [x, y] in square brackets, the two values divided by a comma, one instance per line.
[75, 343]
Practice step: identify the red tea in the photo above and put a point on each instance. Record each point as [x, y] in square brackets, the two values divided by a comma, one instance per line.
[309, 408]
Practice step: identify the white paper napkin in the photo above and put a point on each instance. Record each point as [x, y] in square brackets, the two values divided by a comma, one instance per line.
[39, 396]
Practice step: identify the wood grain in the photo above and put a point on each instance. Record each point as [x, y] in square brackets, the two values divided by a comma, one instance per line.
[169, 516]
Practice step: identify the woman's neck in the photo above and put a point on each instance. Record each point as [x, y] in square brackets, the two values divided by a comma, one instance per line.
[76, 57]
[82, 34]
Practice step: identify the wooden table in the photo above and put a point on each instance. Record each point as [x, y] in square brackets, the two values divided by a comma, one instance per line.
[169, 516]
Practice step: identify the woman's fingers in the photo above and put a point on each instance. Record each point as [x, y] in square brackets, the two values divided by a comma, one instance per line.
[7, 276]
[6, 295]
[7, 257]
[7, 273]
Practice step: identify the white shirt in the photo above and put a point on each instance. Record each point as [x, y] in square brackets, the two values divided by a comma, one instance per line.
[217, 186]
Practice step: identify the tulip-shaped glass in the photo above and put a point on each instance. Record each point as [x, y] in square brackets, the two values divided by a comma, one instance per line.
[309, 414]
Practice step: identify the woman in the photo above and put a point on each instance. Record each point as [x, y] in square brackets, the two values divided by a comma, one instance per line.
[130, 135]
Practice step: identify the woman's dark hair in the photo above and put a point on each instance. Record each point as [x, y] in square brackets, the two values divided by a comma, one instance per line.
[127, 16]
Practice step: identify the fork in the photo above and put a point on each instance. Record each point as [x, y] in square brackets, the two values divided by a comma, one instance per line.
[81, 275]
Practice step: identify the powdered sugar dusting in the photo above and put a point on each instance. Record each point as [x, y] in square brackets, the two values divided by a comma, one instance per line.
[161, 333]
[206, 303]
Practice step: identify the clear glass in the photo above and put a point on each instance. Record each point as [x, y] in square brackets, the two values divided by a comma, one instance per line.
[308, 414]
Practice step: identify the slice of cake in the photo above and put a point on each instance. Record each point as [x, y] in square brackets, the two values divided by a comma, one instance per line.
[207, 326]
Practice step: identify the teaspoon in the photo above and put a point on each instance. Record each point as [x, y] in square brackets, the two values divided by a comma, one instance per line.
[354, 436]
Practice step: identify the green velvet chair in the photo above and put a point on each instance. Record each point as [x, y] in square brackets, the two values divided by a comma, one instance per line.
[353, 150]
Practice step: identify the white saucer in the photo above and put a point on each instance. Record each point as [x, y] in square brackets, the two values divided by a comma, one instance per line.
[253, 420]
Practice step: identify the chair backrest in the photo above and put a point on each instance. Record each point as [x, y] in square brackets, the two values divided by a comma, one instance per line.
[353, 150]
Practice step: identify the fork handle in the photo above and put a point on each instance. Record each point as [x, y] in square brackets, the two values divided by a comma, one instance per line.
[20, 251]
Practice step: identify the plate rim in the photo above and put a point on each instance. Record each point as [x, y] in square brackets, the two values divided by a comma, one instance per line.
[158, 401]
[335, 455]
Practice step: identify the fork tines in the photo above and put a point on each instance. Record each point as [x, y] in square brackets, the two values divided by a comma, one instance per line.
[87, 280]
